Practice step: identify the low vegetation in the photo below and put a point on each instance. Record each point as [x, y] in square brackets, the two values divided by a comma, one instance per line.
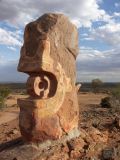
[112, 101]
[116, 92]
[4, 92]
[96, 85]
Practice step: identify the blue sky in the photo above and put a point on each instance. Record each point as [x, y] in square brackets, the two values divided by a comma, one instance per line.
[98, 23]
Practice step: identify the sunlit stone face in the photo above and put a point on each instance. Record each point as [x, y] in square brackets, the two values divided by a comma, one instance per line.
[35, 52]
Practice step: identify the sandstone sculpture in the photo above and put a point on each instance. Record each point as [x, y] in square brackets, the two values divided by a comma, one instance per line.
[48, 55]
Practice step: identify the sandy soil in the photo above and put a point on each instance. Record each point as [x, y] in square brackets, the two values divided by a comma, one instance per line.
[12, 99]
[89, 98]
[99, 135]
[11, 112]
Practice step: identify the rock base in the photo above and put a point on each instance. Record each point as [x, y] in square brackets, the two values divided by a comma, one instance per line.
[33, 151]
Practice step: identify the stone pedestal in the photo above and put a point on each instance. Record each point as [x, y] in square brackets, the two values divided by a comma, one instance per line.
[19, 150]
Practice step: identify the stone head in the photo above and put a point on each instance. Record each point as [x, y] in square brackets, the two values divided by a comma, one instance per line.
[43, 54]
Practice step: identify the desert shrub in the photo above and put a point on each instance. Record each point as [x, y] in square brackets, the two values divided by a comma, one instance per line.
[96, 85]
[4, 92]
[111, 102]
[116, 92]
[1, 102]
[105, 102]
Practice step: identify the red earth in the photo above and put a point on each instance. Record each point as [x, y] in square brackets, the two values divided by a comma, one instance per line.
[99, 136]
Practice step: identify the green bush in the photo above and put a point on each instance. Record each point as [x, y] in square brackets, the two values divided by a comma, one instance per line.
[111, 102]
[1, 102]
[105, 102]
[116, 92]
[4, 92]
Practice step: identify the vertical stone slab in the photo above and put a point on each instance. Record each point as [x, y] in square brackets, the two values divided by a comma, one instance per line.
[48, 55]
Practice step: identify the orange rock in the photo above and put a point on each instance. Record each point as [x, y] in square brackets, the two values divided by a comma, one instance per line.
[98, 136]
[48, 55]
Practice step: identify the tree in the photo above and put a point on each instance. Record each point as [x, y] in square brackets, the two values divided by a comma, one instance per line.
[96, 85]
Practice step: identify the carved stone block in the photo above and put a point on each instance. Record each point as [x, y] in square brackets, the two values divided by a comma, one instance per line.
[48, 55]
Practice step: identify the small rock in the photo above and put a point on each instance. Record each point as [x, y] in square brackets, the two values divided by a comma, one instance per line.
[14, 158]
[15, 131]
[8, 138]
[108, 154]
[117, 122]
[76, 144]
[98, 136]
[75, 154]
[65, 148]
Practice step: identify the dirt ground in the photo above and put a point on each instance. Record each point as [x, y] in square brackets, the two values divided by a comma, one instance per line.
[99, 138]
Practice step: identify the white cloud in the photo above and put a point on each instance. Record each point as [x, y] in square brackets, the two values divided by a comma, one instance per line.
[116, 14]
[0, 58]
[8, 38]
[107, 56]
[88, 54]
[100, 1]
[104, 76]
[82, 12]
[90, 62]
[88, 38]
[109, 33]
[8, 72]
[117, 4]
[11, 48]
[98, 64]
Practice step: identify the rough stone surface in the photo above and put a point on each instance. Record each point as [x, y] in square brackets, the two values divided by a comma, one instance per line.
[34, 151]
[117, 122]
[48, 55]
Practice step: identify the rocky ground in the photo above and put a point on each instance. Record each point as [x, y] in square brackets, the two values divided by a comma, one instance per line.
[99, 127]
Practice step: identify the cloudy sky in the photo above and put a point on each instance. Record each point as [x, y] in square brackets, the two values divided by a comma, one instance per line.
[98, 23]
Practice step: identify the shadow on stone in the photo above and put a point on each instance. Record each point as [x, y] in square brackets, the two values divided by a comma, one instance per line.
[11, 144]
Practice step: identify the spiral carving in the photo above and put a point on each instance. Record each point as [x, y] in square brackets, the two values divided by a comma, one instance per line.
[42, 86]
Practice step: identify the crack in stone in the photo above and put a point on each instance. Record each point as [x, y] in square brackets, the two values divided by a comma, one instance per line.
[61, 124]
